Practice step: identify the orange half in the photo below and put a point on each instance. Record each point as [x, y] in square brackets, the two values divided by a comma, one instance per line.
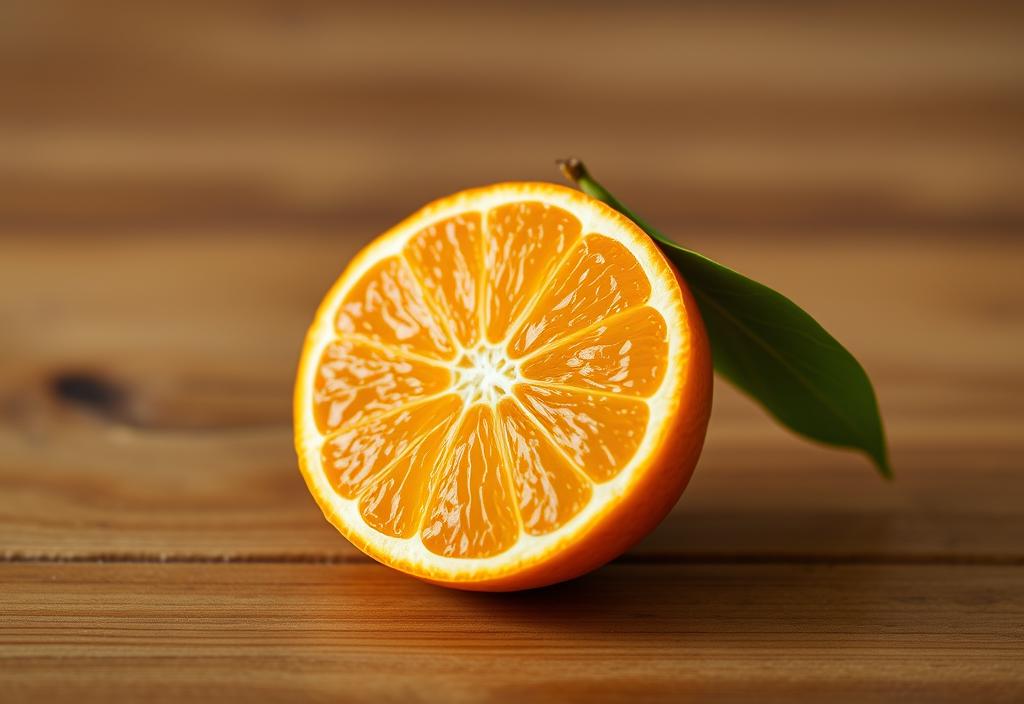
[506, 390]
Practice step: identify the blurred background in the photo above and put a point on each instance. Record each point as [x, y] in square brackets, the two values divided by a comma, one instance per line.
[790, 117]
[181, 182]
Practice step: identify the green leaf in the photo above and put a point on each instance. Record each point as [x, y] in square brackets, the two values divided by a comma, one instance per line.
[770, 348]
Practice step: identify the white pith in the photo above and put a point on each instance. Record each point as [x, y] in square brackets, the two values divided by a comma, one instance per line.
[485, 375]
[488, 374]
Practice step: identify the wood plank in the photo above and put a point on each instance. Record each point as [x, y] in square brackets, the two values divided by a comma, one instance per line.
[181, 182]
[150, 416]
[100, 632]
[219, 110]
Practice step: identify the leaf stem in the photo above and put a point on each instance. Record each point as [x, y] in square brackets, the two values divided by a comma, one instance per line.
[769, 347]
[576, 171]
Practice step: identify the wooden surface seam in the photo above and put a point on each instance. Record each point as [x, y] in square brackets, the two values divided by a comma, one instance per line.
[180, 183]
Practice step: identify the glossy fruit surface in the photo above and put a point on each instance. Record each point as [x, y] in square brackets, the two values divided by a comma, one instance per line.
[506, 390]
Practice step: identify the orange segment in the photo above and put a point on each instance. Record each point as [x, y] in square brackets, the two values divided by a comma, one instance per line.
[506, 390]
[599, 433]
[626, 354]
[472, 513]
[387, 305]
[393, 504]
[600, 278]
[550, 492]
[353, 456]
[524, 242]
[447, 258]
[356, 381]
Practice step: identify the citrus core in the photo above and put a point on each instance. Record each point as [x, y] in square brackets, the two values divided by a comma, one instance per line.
[506, 390]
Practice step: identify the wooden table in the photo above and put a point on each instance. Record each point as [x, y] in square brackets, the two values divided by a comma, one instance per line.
[180, 183]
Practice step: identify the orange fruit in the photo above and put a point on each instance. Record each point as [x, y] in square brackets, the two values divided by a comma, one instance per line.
[506, 390]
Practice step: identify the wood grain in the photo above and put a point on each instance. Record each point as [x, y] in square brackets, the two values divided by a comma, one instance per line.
[796, 114]
[150, 415]
[181, 182]
[362, 633]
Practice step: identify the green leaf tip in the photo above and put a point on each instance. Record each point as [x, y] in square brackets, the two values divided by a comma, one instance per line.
[770, 348]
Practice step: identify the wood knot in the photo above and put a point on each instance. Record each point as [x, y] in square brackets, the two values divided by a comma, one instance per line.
[88, 391]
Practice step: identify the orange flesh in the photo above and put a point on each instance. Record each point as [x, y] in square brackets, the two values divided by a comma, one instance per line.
[488, 378]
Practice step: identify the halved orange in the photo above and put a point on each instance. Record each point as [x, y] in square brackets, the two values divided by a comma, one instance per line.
[506, 390]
